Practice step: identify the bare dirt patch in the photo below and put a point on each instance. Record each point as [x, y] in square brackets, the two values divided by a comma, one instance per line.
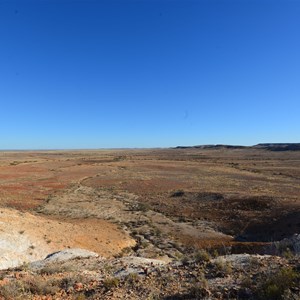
[25, 237]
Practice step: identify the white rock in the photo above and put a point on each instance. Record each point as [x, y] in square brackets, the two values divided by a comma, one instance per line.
[68, 254]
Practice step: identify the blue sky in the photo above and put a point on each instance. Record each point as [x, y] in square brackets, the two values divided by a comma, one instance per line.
[94, 74]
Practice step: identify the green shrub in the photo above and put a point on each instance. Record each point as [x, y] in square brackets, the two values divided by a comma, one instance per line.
[288, 254]
[274, 287]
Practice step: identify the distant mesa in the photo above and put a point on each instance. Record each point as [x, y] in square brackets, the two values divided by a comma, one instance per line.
[279, 146]
[265, 146]
[218, 146]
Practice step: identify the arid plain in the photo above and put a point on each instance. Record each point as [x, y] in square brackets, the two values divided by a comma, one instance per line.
[154, 203]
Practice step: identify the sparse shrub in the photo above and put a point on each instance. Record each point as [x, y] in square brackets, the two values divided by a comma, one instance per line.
[14, 289]
[288, 254]
[108, 268]
[272, 291]
[201, 279]
[49, 270]
[283, 248]
[178, 255]
[125, 251]
[23, 267]
[110, 283]
[223, 266]
[157, 232]
[215, 253]
[202, 256]
[226, 250]
[143, 207]
[22, 289]
[69, 281]
[132, 278]
[144, 244]
[275, 286]
[41, 287]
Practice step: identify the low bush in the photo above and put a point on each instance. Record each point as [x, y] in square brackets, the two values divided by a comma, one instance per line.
[275, 286]
[110, 283]
[202, 256]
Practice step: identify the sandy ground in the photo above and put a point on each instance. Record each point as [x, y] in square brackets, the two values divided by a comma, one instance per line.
[26, 238]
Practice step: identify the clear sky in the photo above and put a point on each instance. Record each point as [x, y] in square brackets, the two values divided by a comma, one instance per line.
[93, 74]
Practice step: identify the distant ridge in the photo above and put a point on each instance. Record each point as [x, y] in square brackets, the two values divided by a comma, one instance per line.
[218, 146]
[279, 146]
[265, 146]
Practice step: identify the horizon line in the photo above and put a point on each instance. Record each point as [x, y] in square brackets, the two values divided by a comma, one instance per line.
[141, 148]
